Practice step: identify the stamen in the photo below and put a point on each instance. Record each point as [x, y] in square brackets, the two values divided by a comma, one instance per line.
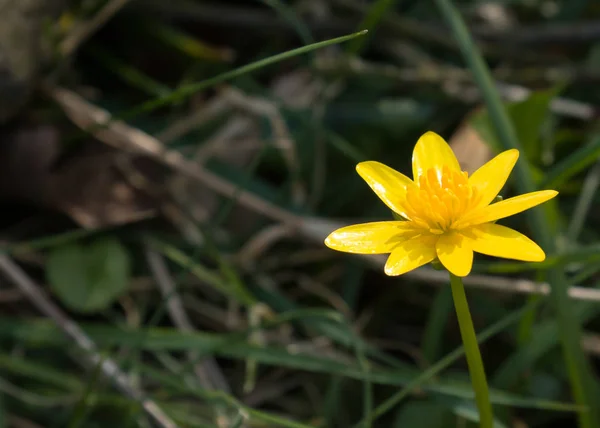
[437, 231]
[440, 199]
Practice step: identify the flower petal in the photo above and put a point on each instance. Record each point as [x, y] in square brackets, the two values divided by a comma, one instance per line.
[432, 151]
[410, 254]
[387, 183]
[506, 207]
[491, 177]
[501, 241]
[369, 238]
[455, 254]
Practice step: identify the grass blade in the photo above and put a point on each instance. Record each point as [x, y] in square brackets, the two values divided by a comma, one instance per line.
[572, 164]
[235, 346]
[445, 362]
[189, 90]
[436, 323]
[584, 202]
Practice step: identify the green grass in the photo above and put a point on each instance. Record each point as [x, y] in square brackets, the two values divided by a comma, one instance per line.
[300, 335]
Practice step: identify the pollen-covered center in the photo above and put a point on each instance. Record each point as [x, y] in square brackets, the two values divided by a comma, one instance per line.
[440, 199]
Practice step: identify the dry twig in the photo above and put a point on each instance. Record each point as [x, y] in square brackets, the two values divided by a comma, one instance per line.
[108, 367]
[125, 137]
[207, 370]
[283, 139]
[455, 80]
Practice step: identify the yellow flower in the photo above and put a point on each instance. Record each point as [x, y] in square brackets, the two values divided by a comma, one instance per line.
[447, 214]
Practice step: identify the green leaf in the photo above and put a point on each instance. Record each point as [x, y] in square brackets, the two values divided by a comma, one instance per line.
[528, 117]
[88, 278]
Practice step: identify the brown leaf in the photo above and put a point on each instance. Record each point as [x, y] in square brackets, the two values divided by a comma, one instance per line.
[95, 192]
[470, 149]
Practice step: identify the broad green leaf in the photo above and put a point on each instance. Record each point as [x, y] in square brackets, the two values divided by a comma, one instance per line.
[528, 117]
[88, 278]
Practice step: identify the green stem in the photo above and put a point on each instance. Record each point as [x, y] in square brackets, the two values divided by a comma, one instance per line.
[476, 370]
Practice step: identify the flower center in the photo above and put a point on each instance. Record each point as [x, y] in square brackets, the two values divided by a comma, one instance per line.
[440, 199]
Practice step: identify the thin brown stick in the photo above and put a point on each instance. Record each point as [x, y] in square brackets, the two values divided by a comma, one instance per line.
[108, 367]
[505, 285]
[455, 80]
[195, 119]
[207, 371]
[122, 136]
[261, 242]
[281, 134]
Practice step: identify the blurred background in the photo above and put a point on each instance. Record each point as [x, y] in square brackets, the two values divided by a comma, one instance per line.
[169, 170]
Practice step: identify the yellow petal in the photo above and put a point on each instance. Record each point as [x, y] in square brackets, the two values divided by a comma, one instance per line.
[491, 177]
[369, 238]
[455, 254]
[500, 241]
[507, 207]
[410, 254]
[431, 151]
[387, 183]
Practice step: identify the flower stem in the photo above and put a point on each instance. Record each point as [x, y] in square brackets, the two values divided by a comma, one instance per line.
[476, 370]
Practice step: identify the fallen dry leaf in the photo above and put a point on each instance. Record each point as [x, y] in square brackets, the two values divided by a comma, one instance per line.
[96, 190]
[470, 149]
